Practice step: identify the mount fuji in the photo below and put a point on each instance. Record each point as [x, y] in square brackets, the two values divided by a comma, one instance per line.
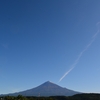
[46, 89]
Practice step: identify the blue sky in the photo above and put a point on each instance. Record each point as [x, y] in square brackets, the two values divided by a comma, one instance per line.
[41, 39]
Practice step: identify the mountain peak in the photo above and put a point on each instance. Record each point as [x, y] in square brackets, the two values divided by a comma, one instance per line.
[48, 82]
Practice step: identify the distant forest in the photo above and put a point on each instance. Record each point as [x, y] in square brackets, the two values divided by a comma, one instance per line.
[91, 96]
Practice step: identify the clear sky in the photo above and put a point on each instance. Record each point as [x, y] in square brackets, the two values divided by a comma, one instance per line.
[41, 40]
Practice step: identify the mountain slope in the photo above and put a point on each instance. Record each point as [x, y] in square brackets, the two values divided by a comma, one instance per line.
[47, 89]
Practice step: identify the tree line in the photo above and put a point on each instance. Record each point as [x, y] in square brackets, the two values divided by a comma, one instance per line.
[90, 96]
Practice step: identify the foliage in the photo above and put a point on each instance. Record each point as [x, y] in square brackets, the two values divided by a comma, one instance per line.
[75, 97]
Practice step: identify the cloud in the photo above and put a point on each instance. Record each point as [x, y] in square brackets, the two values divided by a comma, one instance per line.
[98, 24]
[66, 73]
[81, 53]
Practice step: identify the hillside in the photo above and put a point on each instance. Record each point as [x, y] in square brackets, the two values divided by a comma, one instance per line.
[46, 89]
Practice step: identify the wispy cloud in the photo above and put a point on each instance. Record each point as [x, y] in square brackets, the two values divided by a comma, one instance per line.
[98, 24]
[66, 73]
[81, 53]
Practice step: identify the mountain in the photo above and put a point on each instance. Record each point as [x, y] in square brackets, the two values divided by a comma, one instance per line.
[47, 89]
